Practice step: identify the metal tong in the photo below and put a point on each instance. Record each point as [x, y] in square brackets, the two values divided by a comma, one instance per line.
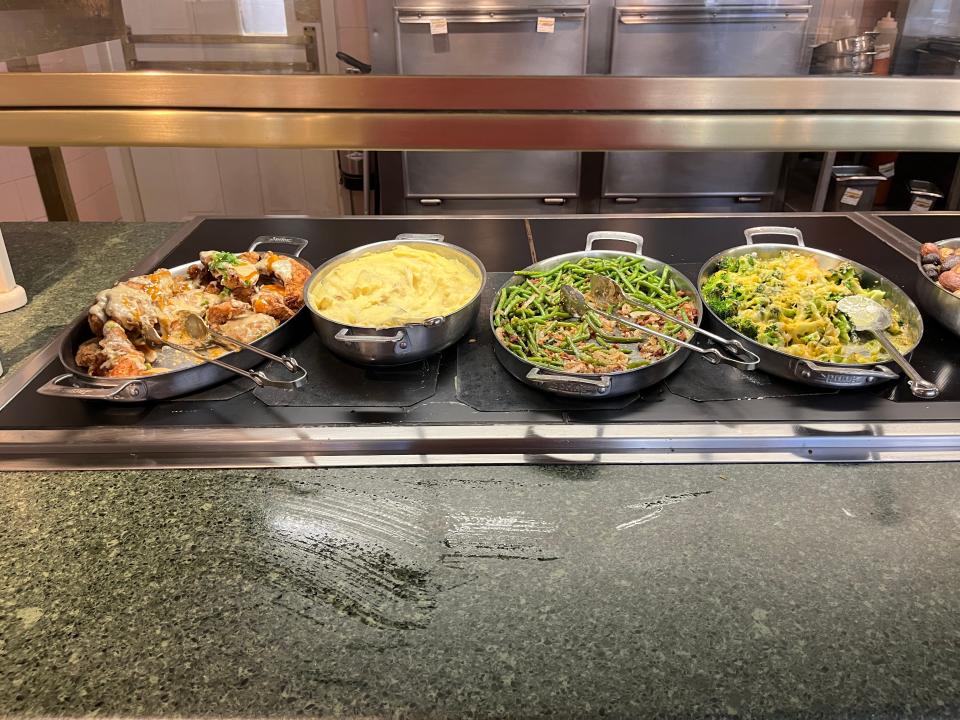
[198, 329]
[576, 304]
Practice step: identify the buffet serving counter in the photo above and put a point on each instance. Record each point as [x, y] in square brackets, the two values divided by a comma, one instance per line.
[463, 407]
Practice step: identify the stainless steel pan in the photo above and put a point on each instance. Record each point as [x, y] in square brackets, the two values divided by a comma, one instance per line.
[943, 305]
[587, 385]
[79, 384]
[406, 343]
[822, 374]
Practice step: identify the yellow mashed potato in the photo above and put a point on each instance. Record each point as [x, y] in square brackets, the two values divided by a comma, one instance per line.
[396, 287]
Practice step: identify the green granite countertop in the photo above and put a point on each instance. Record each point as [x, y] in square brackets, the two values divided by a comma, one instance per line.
[536, 591]
[62, 266]
[799, 591]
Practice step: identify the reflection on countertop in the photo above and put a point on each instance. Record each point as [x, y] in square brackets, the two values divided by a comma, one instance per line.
[801, 591]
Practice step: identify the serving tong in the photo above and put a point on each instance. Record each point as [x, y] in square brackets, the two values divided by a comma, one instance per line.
[603, 287]
[198, 329]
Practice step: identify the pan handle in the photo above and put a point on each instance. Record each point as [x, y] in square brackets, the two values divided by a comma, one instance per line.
[297, 242]
[407, 237]
[541, 378]
[630, 238]
[751, 233]
[344, 336]
[129, 391]
[809, 370]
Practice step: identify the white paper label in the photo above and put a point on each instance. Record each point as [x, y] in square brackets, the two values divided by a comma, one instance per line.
[545, 24]
[438, 26]
[851, 196]
[921, 204]
[886, 169]
[883, 52]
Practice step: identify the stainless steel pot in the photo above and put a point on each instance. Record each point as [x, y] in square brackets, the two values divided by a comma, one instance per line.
[852, 64]
[405, 343]
[79, 384]
[584, 385]
[943, 305]
[822, 374]
[865, 42]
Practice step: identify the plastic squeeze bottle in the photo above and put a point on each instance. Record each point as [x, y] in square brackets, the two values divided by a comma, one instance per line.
[843, 27]
[886, 29]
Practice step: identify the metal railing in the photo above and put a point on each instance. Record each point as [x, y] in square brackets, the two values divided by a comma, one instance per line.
[447, 113]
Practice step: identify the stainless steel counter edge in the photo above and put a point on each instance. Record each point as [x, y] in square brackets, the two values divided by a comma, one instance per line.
[519, 443]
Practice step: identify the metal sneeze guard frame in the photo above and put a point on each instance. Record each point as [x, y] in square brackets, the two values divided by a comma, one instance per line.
[480, 113]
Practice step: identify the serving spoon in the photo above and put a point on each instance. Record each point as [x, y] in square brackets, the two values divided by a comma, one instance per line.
[608, 290]
[576, 304]
[867, 315]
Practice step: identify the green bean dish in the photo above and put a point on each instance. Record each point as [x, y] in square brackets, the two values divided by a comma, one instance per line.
[530, 320]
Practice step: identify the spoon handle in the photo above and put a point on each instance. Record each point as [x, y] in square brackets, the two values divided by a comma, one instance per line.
[918, 386]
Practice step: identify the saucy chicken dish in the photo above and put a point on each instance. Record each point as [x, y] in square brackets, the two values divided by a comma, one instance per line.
[243, 296]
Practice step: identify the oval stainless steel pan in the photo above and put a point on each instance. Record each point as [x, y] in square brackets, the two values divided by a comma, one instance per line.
[791, 367]
[586, 385]
[79, 384]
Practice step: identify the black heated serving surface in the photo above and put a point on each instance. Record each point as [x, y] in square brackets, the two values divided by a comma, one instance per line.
[466, 386]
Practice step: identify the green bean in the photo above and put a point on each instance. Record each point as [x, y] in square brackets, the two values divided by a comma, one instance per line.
[637, 364]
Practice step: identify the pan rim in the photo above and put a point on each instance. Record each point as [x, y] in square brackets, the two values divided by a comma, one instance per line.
[73, 368]
[361, 251]
[711, 263]
[555, 260]
[930, 280]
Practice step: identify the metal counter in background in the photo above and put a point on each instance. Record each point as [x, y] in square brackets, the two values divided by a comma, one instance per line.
[463, 407]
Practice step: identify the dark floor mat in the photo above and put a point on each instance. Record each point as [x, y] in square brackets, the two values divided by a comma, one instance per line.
[700, 381]
[332, 382]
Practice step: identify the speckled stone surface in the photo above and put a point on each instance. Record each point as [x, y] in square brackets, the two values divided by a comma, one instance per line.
[684, 591]
[62, 266]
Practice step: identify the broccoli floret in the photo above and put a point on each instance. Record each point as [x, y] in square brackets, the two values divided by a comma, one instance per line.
[724, 307]
[771, 336]
[747, 327]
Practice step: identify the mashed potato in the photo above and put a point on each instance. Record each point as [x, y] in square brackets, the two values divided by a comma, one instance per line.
[402, 285]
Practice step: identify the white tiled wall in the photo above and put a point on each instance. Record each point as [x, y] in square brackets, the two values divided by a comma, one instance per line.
[19, 192]
[87, 168]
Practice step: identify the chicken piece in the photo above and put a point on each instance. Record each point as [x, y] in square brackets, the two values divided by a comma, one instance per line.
[291, 274]
[125, 304]
[121, 358]
[90, 355]
[160, 286]
[232, 271]
[227, 310]
[270, 300]
[249, 327]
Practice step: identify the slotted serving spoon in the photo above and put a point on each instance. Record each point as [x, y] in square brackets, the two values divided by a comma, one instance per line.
[609, 290]
[257, 377]
[867, 315]
[576, 304]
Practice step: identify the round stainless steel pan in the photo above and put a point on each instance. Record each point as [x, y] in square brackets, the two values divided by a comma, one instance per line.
[79, 384]
[791, 367]
[943, 305]
[405, 343]
[583, 385]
